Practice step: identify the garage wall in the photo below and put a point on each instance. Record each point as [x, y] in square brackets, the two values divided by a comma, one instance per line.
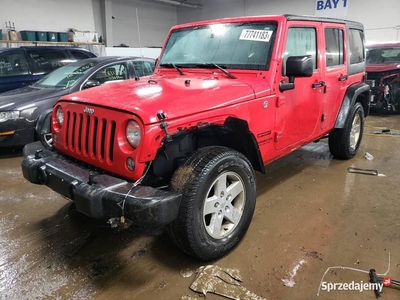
[212, 9]
[154, 22]
[47, 15]
[59, 15]
[156, 19]
[385, 27]
[381, 19]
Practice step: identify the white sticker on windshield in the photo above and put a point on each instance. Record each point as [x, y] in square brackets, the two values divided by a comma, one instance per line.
[256, 35]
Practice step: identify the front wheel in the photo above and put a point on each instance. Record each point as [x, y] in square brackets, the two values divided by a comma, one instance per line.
[344, 142]
[218, 199]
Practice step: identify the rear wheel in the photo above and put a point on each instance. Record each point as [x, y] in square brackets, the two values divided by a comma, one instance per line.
[344, 142]
[219, 192]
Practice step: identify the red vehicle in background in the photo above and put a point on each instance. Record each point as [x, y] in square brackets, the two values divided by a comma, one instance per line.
[383, 75]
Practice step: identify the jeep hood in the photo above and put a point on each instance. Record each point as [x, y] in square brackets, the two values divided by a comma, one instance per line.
[176, 96]
[382, 67]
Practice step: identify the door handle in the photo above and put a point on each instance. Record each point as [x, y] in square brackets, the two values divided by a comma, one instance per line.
[318, 84]
[343, 78]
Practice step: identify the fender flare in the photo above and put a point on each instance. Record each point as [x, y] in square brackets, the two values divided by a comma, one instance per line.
[249, 146]
[43, 122]
[351, 96]
[43, 126]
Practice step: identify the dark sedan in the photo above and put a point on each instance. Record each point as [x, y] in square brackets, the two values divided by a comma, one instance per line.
[20, 108]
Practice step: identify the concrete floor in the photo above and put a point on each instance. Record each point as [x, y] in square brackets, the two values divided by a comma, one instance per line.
[308, 208]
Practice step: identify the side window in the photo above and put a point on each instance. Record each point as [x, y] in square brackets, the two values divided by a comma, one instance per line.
[78, 55]
[356, 38]
[143, 68]
[46, 61]
[13, 64]
[114, 72]
[301, 41]
[334, 47]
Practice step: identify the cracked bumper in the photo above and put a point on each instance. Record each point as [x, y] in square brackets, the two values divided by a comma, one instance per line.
[103, 196]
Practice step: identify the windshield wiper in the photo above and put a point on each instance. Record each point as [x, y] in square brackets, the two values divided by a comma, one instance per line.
[169, 65]
[212, 65]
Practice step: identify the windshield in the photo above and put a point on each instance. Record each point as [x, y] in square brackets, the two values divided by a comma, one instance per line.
[66, 76]
[229, 45]
[383, 55]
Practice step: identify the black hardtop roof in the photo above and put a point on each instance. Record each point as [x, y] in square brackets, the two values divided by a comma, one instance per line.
[261, 18]
[354, 24]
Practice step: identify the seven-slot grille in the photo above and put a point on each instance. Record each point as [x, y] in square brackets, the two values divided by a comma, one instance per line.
[90, 135]
[96, 136]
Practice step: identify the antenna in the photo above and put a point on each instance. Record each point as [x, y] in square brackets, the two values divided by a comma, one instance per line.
[138, 29]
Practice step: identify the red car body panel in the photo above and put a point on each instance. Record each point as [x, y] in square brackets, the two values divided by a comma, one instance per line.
[383, 67]
[169, 93]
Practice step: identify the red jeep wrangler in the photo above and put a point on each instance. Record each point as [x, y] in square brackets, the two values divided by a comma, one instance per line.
[179, 148]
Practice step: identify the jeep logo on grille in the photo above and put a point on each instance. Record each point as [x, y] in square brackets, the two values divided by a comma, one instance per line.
[88, 110]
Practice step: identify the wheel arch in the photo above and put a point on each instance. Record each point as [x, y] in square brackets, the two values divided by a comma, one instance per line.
[243, 140]
[234, 134]
[359, 92]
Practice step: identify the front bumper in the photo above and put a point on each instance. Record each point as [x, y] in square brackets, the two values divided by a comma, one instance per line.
[99, 195]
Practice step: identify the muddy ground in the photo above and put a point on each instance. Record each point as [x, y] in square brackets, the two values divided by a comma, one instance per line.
[309, 210]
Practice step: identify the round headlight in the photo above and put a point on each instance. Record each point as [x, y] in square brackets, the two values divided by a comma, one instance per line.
[60, 115]
[133, 133]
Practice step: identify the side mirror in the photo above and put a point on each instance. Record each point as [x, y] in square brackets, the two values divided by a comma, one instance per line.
[297, 66]
[90, 83]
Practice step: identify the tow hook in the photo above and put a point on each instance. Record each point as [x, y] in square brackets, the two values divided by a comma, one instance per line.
[119, 223]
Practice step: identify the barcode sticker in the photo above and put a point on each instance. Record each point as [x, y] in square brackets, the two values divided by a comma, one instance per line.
[256, 35]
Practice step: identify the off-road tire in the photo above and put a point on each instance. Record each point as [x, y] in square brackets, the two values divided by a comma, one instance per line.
[341, 140]
[197, 179]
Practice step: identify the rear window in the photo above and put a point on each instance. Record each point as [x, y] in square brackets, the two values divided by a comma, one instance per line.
[78, 55]
[13, 64]
[47, 60]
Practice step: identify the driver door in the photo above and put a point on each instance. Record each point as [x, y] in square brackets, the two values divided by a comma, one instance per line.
[298, 110]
